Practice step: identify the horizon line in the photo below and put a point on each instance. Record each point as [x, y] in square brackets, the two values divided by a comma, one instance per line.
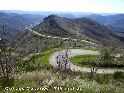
[62, 11]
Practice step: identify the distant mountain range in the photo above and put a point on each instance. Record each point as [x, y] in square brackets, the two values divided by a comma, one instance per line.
[89, 27]
[79, 28]
[13, 23]
[93, 26]
[62, 14]
[115, 22]
[65, 27]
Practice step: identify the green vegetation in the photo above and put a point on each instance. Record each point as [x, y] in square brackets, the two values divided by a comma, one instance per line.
[36, 77]
[38, 61]
[84, 60]
[66, 79]
[35, 74]
[44, 58]
[109, 57]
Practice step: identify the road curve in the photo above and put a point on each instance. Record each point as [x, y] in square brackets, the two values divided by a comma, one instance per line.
[43, 35]
[74, 52]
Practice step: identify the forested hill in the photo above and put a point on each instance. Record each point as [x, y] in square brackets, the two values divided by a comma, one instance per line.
[65, 27]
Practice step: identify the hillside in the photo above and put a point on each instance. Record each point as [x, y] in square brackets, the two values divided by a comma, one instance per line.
[64, 27]
[13, 23]
[57, 26]
[28, 42]
[113, 21]
[40, 59]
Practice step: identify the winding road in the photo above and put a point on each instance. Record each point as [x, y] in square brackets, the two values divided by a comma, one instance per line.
[74, 52]
[43, 35]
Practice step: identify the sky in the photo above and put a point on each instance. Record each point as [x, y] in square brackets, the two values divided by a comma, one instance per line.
[95, 6]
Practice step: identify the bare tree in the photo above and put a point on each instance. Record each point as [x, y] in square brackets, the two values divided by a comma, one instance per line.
[7, 66]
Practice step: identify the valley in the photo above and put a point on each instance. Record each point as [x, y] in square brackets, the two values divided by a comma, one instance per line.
[49, 50]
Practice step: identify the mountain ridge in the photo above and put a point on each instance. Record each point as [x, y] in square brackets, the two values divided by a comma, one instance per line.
[61, 26]
[14, 23]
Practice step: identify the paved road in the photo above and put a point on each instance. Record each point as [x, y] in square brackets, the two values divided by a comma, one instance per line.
[35, 32]
[74, 52]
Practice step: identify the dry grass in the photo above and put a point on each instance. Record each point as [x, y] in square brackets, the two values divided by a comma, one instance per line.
[65, 79]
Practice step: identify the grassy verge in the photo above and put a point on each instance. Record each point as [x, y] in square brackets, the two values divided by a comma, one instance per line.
[44, 58]
[41, 61]
[82, 60]
[89, 60]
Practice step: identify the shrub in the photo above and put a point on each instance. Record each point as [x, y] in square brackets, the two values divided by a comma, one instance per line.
[118, 75]
[6, 82]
